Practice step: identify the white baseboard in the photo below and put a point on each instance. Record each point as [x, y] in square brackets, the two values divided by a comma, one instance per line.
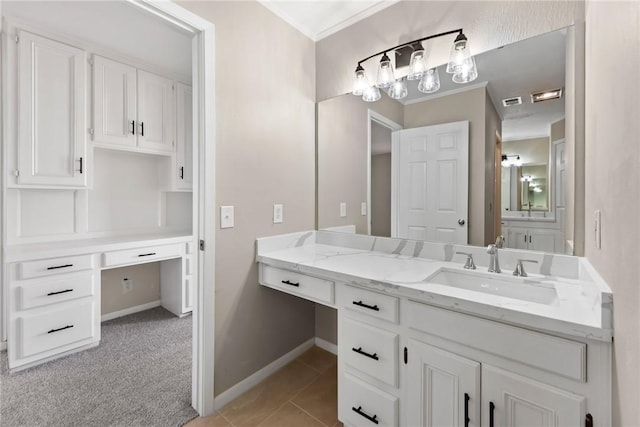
[326, 345]
[246, 384]
[130, 310]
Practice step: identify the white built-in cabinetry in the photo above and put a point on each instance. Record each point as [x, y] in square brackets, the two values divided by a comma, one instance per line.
[407, 363]
[184, 137]
[51, 123]
[132, 107]
[544, 236]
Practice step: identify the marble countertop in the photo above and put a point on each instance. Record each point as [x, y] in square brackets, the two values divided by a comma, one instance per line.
[581, 307]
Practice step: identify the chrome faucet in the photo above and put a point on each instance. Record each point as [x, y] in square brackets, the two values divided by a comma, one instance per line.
[469, 264]
[519, 271]
[494, 263]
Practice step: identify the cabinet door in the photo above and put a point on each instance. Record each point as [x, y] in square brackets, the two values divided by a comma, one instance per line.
[155, 112]
[519, 238]
[442, 388]
[114, 102]
[51, 104]
[184, 136]
[510, 400]
[543, 240]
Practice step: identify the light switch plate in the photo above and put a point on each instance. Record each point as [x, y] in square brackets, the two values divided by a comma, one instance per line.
[598, 229]
[343, 209]
[226, 217]
[363, 208]
[278, 213]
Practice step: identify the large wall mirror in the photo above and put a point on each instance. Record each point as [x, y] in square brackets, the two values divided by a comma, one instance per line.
[465, 164]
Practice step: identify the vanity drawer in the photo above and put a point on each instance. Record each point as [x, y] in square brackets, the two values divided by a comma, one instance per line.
[43, 331]
[298, 284]
[140, 255]
[554, 354]
[41, 292]
[373, 304]
[362, 405]
[371, 350]
[52, 266]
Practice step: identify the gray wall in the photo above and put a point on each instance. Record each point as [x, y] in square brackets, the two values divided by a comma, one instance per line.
[265, 144]
[145, 281]
[381, 194]
[612, 181]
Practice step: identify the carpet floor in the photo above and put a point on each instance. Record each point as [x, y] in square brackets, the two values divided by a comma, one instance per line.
[139, 375]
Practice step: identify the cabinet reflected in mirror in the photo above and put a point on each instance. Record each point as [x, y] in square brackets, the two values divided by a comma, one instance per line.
[354, 171]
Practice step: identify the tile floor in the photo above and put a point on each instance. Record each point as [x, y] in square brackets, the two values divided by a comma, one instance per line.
[303, 393]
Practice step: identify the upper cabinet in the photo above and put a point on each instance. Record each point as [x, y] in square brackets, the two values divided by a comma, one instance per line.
[132, 108]
[51, 113]
[184, 137]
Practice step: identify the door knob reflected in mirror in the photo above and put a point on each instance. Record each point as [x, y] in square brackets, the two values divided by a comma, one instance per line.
[461, 222]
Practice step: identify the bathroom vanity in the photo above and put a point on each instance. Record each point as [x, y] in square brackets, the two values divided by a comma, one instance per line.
[423, 341]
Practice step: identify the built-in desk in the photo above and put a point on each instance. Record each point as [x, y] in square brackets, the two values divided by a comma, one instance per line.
[52, 290]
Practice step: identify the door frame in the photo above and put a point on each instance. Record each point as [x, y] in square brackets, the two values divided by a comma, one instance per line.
[373, 116]
[203, 74]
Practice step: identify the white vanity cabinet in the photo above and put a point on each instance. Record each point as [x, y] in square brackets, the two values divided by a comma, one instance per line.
[533, 235]
[51, 147]
[132, 108]
[184, 137]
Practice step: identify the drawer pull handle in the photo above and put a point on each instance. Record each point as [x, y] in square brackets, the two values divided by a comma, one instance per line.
[60, 329]
[360, 412]
[588, 421]
[149, 254]
[466, 410]
[59, 292]
[370, 307]
[492, 408]
[286, 282]
[373, 356]
[60, 266]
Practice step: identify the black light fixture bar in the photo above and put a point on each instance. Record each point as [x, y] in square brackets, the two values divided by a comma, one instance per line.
[459, 31]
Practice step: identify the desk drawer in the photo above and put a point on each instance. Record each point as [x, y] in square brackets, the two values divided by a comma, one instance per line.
[369, 349]
[43, 331]
[373, 304]
[363, 405]
[140, 255]
[298, 284]
[41, 292]
[53, 266]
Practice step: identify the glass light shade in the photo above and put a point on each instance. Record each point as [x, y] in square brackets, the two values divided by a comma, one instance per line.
[417, 65]
[385, 73]
[459, 54]
[360, 82]
[398, 89]
[430, 81]
[371, 94]
[517, 162]
[467, 72]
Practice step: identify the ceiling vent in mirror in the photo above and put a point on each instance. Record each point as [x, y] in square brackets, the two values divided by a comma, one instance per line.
[546, 95]
[510, 102]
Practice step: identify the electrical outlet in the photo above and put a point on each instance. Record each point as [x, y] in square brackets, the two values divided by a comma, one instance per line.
[598, 229]
[343, 209]
[127, 285]
[278, 213]
[363, 208]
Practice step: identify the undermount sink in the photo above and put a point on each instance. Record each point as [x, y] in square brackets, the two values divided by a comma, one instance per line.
[496, 284]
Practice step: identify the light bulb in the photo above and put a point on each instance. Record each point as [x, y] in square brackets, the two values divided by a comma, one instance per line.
[398, 89]
[430, 81]
[467, 72]
[371, 94]
[459, 54]
[417, 64]
[385, 73]
[360, 82]
[518, 161]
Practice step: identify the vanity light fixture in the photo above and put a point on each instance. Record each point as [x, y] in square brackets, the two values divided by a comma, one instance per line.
[509, 160]
[461, 64]
[526, 178]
